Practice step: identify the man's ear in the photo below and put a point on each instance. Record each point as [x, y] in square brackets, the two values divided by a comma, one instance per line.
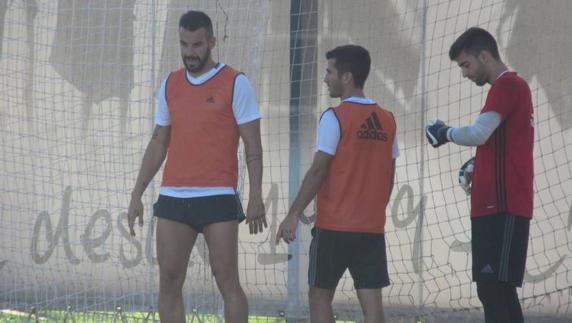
[212, 42]
[485, 56]
[347, 78]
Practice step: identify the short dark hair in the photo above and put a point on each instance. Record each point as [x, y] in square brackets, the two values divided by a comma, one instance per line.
[473, 41]
[193, 20]
[354, 59]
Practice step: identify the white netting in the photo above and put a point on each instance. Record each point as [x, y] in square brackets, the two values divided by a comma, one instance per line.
[78, 80]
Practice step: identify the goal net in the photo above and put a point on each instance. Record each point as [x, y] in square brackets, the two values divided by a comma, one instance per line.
[78, 83]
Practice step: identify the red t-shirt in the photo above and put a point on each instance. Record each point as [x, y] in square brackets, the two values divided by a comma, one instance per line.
[502, 180]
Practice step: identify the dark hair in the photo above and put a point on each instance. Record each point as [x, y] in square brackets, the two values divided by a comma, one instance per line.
[473, 41]
[354, 59]
[193, 20]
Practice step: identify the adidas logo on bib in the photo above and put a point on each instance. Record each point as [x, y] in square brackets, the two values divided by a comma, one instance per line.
[372, 129]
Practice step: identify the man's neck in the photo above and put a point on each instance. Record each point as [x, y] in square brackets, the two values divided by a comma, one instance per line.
[496, 71]
[354, 92]
[208, 66]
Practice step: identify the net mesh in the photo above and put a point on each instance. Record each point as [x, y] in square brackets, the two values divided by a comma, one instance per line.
[78, 83]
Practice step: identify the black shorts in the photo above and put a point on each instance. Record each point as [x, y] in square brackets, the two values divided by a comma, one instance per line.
[332, 252]
[499, 245]
[199, 211]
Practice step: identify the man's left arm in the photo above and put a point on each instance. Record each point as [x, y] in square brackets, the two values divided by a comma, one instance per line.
[255, 212]
[438, 133]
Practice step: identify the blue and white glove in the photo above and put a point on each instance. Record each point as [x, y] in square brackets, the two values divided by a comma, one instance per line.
[436, 133]
[465, 175]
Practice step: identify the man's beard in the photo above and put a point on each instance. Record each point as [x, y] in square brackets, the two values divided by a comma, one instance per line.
[480, 76]
[335, 91]
[480, 80]
[202, 61]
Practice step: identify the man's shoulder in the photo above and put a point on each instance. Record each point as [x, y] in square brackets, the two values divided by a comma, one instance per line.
[174, 77]
[512, 79]
[228, 67]
[230, 70]
[177, 71]
[509, 85]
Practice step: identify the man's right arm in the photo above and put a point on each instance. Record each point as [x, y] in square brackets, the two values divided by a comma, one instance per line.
[328, 139]
[152, 160]
[311, 184]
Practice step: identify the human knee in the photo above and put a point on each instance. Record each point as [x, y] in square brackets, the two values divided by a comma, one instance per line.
[319, 297]
[488, 292]
[494, 290]
[225, 277]
[171, 277]
[481, 292]
[371, 304]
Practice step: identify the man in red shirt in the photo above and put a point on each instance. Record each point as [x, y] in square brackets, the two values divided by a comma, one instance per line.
[352, 174]
[502, 180]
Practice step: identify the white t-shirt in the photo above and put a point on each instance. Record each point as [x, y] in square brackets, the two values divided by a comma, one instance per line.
[329, 130]
[244, 107]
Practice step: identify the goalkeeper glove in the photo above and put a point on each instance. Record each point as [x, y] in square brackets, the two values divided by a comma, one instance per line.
[436, 133]
[465, 174]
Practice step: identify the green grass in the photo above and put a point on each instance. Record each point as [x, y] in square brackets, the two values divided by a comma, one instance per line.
[110, 317]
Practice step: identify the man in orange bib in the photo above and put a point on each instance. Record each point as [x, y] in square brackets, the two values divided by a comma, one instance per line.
[352, 174]
[204, 109]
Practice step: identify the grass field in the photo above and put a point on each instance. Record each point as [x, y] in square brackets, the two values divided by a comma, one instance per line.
[118, 317]
[32, 316]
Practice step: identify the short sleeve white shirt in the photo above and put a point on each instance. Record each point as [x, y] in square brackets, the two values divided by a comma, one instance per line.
[329, 130]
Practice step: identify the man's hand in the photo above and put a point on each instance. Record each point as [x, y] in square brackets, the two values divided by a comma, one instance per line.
[256, 215]
[135, 211]
[436, 133]
[287, 229]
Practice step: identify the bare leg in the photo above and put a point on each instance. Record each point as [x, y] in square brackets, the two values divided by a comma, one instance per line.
[174, 244]
[370, 301]
[321, 305]
[222, 241]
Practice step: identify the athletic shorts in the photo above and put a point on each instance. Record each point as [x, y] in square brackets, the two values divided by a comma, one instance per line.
[499, 245]
[199, 212]
[332, 252]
